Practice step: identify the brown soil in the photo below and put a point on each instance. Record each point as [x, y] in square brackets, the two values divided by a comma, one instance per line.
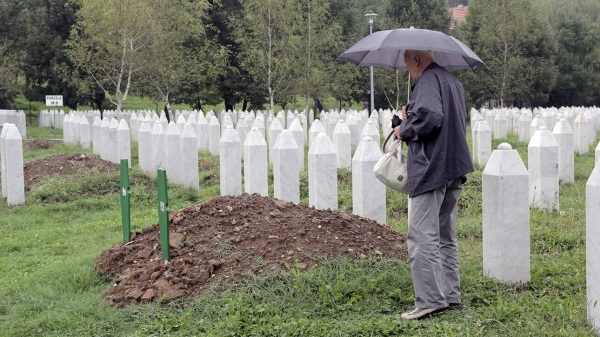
[223, 240]
[65, 164]
[35, 144]
[229, 238]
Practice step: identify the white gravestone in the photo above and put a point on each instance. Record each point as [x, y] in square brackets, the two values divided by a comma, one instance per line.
[581, 132]
[592, 246]
[296, 129]
[158, 147]
[286, 174]
[315, 128]
[15, 177]
[598, 154]
[342, 142]
[189, 153]
[113, 141]
[97, 141]
[145, 147]
[134, 125]
[322, 174]
[84, 133]
[482, 143]
[535, 125]
[543, 170]
[124, 139]
[180, 123]
[242, 130]
[105, 138]
[506, 237]
[255, 164]
[370, 130]
[173, 157]
[76, 130]
[230, 163]
[214, 136]
[353, 127]
[500, 126]
[3, 158]
[523, 127]
[66, 130]
[566, 147]
[273, 132]
[368, 193]
[202, 133]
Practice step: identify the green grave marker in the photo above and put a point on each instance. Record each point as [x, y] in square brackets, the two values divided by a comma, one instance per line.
[163, 214]
[125, 201]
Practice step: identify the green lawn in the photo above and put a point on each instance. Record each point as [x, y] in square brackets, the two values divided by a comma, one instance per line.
[48, 286]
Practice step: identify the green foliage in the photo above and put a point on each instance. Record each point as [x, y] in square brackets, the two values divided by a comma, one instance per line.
[516, 46]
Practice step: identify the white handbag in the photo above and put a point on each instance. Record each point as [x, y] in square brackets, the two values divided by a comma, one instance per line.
[391, 168]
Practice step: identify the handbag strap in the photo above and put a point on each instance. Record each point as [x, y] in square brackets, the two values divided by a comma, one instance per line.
[383, 147]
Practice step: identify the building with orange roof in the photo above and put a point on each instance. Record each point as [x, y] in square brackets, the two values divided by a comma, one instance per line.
[459, 14]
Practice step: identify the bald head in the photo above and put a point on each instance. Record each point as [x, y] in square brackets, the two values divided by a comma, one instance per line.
[416, 61]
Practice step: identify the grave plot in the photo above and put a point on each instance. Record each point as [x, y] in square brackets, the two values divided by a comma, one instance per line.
[229, 238]
[65, 164]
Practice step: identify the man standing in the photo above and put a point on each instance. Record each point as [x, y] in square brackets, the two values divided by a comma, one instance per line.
[438, 161]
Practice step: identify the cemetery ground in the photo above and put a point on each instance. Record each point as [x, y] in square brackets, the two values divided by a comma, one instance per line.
[50, 246]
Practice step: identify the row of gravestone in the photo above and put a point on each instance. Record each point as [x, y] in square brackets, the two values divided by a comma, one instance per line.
[11, 165]
[506, 200]
[548, 116]
[571, 139]
[175, 149]
[17, 118]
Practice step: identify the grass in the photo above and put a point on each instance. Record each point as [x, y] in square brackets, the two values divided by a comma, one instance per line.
[48, 286]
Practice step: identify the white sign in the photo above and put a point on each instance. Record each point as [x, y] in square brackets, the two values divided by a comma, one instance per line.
[55, 100]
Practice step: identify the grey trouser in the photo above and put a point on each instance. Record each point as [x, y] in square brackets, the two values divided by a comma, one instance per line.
[432, 247]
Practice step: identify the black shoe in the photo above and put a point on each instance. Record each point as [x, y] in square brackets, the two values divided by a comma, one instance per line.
[455, 306]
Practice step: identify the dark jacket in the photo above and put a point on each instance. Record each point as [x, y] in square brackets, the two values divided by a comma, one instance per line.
[436, 131]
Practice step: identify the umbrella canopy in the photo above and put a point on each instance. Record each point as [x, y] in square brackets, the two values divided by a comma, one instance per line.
[386, 48]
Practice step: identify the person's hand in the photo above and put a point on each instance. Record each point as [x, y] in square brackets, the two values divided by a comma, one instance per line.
[404, 114]
[397, 132]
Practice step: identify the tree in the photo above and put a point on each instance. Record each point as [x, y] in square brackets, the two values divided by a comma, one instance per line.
[178, 47]
[108, 43]
[517, 49]
[578, 63]
[319, 46]
[269, 38]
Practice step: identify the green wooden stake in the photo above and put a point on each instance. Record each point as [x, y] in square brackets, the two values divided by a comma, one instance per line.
[125, 201]
[163, 214]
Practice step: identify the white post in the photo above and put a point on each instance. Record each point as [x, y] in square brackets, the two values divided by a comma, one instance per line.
[15, 177]
[189, 153]
[368, 193]
[173, 156]
[214, 136]
[158, 147]
[286, 174]
[84, 133]
[273, 132]
[542, 159]
[124, 140]
[255, 164]
[343, 144]
[506, 237]
[145, 147]
[315, 128]
[296, 129]
[230, 161]
[322, 174]
[592, 245]
[566, 147]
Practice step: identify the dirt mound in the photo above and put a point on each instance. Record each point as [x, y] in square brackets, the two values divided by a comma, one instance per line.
[66, 164]
[35, 144]
[229, 238]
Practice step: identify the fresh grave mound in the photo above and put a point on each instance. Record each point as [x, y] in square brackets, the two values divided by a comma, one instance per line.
[66, 164]
[35, 144]
[229, 238]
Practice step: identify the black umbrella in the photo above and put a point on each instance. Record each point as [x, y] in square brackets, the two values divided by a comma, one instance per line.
[386, 48]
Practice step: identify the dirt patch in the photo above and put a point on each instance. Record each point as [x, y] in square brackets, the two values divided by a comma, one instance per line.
[36, 144]
[66, 164]
[229, 238]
